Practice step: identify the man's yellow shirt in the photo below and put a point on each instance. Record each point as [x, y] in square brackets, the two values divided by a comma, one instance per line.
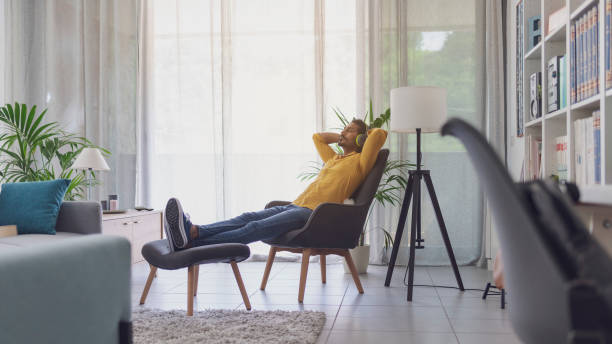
[342, 174]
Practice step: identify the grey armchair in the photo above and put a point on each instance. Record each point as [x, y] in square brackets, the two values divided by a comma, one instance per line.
[331, 229]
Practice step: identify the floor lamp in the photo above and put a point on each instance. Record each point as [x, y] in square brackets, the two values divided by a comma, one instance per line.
[418, 109]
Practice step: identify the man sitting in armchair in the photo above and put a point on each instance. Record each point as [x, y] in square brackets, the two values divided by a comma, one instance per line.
[338, 179]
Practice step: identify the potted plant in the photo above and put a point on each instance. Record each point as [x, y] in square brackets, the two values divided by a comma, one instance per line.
[34, 150]
[393, 182]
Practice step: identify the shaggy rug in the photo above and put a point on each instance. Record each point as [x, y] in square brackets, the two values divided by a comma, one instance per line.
[226, 326]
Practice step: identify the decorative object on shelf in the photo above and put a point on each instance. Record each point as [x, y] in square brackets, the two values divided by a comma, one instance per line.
[535, 95]
[417, 109]
[535, 31]
[113, 202]
[90, 160]
[554, 84]
[46, 152]
[556, 19]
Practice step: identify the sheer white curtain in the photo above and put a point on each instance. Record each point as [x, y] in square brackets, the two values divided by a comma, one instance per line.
[234, 104]
[437, 43]
[240, 86]
[78, 59]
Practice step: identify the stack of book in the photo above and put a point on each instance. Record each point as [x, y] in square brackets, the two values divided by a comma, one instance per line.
[587, 135]
[561, 157]
[584, 37]
[533, 157]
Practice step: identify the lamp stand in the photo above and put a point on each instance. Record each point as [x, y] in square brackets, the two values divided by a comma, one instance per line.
[89, 182]
[413, 191]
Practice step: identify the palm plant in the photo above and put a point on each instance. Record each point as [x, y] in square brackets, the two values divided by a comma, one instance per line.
[395, 175]
[33, 150]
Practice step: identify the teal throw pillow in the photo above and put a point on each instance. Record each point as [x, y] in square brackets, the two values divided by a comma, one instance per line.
[32, 206]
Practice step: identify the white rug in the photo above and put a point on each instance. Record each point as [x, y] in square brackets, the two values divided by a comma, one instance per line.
[227, 326]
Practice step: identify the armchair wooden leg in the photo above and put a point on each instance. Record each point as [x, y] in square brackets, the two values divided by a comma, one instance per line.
[271, 256]
[190, 275]
[145, 292]
[304, 274]
[354, 273]
[323, 263]
[245, 296]
[196, 275]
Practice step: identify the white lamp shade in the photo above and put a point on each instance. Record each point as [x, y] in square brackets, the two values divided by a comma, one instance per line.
[90, 158]
[418, 107]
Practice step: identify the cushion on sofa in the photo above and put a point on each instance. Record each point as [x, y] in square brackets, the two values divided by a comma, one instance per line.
[32, 206]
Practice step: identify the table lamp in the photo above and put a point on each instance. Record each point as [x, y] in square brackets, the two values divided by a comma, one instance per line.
[416, 110]
[91, 160]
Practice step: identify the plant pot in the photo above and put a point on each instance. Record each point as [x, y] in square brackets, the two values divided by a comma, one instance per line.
[361, 259]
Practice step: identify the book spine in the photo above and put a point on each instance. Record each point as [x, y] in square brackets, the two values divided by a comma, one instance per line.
[589, 38]
[579, 60]
[596, 50]
[577, 151]
[597, 146]
[563, 82]
[590, 157]
[607, 44]
[582, 59]
[573, 63]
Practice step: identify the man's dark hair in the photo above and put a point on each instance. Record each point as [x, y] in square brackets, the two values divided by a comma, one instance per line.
[363, 129]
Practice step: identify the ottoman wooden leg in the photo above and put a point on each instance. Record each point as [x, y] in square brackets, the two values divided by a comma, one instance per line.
[145, 292]
[190, 274]
[245, 296]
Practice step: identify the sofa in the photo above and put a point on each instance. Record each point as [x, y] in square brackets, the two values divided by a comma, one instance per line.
[71, 287]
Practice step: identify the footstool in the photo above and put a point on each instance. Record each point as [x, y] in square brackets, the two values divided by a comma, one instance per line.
[158, 254]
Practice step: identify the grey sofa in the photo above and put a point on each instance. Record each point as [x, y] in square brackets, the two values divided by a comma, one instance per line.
[68, 287]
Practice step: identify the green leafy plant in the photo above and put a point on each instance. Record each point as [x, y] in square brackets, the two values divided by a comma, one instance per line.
[395, 175]
[34, 150]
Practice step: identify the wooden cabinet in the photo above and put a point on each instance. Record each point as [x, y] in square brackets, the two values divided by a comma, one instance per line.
[139, 227]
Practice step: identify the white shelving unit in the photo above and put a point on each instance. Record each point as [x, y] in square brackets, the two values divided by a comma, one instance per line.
[560, 122]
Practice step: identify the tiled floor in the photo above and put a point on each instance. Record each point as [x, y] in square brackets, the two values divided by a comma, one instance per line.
[381, 315]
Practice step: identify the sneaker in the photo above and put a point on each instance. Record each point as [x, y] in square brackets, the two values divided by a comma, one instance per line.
[174, 224]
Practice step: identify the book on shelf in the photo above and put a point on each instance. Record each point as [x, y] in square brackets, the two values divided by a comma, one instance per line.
[561, 157]
[533, 157]
[573, 63]
[607, 45]
[554, 84]
[587, 149]
[584, 57]
[535, 95]
[563, 82]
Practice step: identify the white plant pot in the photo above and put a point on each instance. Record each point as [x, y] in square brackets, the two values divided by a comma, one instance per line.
[361, 258]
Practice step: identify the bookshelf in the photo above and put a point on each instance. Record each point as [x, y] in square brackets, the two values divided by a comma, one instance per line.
[561, 122]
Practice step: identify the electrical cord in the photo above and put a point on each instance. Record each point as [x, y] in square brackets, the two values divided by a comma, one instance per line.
[436, 286]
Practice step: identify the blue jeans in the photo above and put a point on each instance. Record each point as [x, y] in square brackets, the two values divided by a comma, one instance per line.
[253, 226]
